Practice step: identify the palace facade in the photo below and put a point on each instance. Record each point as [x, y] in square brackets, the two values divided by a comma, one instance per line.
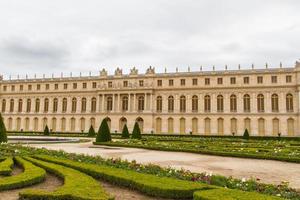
[265, 101]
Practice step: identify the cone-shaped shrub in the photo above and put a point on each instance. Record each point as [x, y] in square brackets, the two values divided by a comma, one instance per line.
[92, 132]
[125, 132]
[46, 130]
[103, 132]
[3, 136]
[246, 134]
[136, 133]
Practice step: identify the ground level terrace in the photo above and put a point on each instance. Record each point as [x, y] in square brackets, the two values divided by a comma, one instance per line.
[269, 125]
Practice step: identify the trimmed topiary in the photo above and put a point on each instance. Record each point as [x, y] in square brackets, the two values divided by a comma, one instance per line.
[3, 136]
[92, 132]
[46, 130]
[136, 133]
[246, 134]
[103, 132]
[125, 132]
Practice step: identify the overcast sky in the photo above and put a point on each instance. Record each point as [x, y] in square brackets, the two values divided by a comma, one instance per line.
[39, 36]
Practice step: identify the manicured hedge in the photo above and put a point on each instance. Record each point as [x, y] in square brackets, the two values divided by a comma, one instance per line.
[77, 185]
[31, 175]
[229, 194]
[149, 184]
[6, 166]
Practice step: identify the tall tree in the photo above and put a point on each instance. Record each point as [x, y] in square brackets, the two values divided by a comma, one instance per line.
[92, 132]
[46, 130]
[125, 132]
[3, 136]
[136, 133]
[103, 132]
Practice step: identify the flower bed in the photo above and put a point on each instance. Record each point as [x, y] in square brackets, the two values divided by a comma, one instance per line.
[6, 166]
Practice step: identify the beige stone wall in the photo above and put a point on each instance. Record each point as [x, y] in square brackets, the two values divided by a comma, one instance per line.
[106, 88]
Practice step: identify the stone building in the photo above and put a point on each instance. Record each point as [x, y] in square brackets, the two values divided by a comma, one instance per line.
[265, 101]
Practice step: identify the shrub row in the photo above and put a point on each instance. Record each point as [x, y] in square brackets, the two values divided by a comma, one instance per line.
[146, 183]
[31, 175]
[77, 185]
[6, 166]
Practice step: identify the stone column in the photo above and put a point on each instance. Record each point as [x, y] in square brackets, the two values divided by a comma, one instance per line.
[146, 102]
[113, 103]
[151, 102]
[129, 103]
[134, 103]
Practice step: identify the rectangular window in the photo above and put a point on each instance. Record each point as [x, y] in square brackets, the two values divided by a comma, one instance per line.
[195, 81]
[159, 83]
[171, 82]
[109, 84]
[94, 84]
[47, 86]
[141, 83]
[288, 78]
[38, 87]
[207, 81]
[74, 85]
[274, 79]
[182, 82]
[12, 88]
[21, 87]
[65, 86]
[29, 87]
[4, 88]
[233, 80]
[246, 80]
[125, 83]
[220, 81]
[56, 86]
[259, 79]
[84, 85]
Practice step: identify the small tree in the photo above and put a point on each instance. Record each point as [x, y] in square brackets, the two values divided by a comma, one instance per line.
[92, 132]
[125, 132]
[3, 136]
[103, 132]
[136, 133]
[246, 134]
[46, 130]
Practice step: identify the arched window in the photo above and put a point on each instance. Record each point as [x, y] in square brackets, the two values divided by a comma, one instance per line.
[12, 105]
[37, 105]
[45, 122]
[83, 105]
[122, 123]
[290, 127]
[171, 104]
[18, 124]
[195, 103]
[3, 105]
[220, 126]
[125, 103]
[194, 125]
[159, 104]
[93, 122]
[289, 103]
[27, 122]
[182, 125]
[64, 105]
[74, 104]
[233, 104]
[55, 105]
[82, 124]
[10, 121]
[275, 122]
[207, 103]
[109, 104]
[35, 124]
[63, 124]
[158, 126]
[20, 106]
[53, 124]
[274, 102]
[220, 103]
[170, 125]
[28, 106]
[182, 104]
[73, 123]
[246, 99]
[141, 103]
[46, 105]
[261, 127]
[93, 104]
[247, 124]
[260, 103]
[233, 123]
[207, 130]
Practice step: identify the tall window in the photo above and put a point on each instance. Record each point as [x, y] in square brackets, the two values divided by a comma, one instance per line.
[3, 105]
[274, 102]
[246, 100]
[64, 105]
[55, 105]
[141, 101]
[109, 103]
[12, 105]
[220, 103]
[46, 105]
[37, 105]
[159, 104]
[83, 105]
[233, 104]
[28, 106]
[289, 103]
[170, 103]
[260, 103]
[93, 104]
[182, 104]
[74, 104]
[207, 103]
[125, 103]
[195, 103]
[20, 106]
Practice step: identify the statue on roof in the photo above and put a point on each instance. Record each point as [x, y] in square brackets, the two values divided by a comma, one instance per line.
[150, 70]
[103, 72]
[118, 72]
[133, 71]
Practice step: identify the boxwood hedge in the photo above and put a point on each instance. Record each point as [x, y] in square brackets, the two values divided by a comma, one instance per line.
[6, 166]
[77, 185]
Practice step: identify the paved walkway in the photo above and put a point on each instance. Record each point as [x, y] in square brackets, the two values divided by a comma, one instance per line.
[266, 170]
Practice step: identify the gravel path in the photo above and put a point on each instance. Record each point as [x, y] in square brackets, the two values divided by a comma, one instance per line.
[267, 171]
